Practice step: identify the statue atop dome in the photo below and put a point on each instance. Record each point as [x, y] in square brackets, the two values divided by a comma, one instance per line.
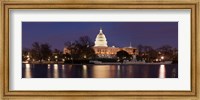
[100, 31]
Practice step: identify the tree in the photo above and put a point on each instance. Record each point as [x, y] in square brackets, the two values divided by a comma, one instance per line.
[123, 55]
[25, 53]
[35, 51]
[146, 53]
[57, 54]
[153, 54]
[81, 48]
[166, 51]
[40, 51]
[45, 51]
[175, 55]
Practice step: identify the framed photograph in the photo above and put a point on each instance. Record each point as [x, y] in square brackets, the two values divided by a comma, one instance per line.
[100, 49]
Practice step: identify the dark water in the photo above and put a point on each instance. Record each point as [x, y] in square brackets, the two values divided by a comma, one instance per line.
[99, 71]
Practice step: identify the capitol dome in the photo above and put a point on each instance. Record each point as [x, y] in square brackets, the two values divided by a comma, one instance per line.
[101, 40]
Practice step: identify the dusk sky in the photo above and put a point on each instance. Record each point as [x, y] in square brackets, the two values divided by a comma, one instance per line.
[119, 34]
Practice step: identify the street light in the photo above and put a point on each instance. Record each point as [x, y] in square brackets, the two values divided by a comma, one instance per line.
[49, 59]
[56, 58]
[162, 58]
[28, 58]
[85, 56]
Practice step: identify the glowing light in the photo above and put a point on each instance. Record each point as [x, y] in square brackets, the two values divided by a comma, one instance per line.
[84, 71]
[118, 67]
[101, 39]
[56, 66]
[28, 57]
[63, 71]
[55, 71]
[162, 57]
[101, 71]
[156, 59]
[28, 66]
[63, 66]
[84, 56]
[162, 71]
[28, 71]
[49, 66]
[84, 67]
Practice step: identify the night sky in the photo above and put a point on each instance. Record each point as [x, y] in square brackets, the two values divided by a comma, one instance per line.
[119, 34]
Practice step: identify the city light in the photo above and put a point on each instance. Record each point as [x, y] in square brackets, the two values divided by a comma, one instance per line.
[84, 56]
[93, 56]
[28, 57]
[162, 57]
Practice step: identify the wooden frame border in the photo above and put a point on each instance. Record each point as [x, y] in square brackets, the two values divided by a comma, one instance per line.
[110, 4]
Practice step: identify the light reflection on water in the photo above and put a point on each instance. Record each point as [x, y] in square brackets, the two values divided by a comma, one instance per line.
[118, 71]
[63, 71]
[56, 71]
[99, 71]
[63, 66]
[162, 71]
[49, 71]
[28, 71]
[84, 71]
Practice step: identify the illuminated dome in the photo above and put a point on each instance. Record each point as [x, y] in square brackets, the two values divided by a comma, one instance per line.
[101, 39]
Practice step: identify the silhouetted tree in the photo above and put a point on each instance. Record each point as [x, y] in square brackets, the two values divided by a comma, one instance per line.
[45, 51]
[166, 51]
[175, 55]
[35, 51]
[81, 48]
[57, 55]
[123, 55]
[40, 51]
[25, 52]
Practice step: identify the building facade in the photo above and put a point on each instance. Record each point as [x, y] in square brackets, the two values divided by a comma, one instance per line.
[102, 50]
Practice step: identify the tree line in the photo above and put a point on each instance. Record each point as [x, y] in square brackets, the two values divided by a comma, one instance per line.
[150, 54]
[83, 49]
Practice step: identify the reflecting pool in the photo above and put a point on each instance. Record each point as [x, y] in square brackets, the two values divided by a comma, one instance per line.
[99, 71]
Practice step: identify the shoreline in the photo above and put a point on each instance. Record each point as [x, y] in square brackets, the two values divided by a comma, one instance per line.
[105, 63]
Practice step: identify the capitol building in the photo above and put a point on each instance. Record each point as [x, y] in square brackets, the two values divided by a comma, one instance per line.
[102, 50]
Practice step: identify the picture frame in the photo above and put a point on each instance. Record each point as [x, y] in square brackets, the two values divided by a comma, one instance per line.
[193, 5]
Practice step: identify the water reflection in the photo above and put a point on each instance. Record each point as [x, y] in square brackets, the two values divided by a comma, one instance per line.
[99, 71]
[174, 73]
[84, 71]
[118, 71]
[56, 71]
[28, 71]
[130, 72]
[63, 71]
[162, 71]
[63, 67]
[49, 71]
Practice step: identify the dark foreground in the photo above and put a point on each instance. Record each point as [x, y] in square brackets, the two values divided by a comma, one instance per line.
[99, 71]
